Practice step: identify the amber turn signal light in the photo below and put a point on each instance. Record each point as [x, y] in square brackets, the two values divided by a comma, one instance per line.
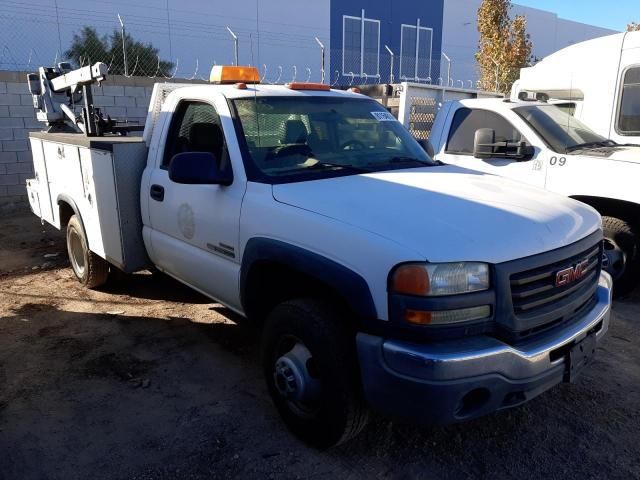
[410, 279]
[418, 317]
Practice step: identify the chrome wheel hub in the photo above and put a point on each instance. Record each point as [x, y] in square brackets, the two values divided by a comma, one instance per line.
[76, 253]
[613, 259]
[292, 377]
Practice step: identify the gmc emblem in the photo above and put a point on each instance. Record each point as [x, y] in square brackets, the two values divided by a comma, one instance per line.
[571, 274]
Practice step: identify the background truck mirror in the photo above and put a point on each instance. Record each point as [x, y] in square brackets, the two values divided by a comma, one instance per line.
[198, 168]
[483, 142]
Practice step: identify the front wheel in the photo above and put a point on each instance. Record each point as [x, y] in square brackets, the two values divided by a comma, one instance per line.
[91, 270]
[621, 256]
[310, 368]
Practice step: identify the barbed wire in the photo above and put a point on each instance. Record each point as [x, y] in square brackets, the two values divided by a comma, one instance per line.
[291, 57]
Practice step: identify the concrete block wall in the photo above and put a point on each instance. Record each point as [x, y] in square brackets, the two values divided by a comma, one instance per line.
[119, 96]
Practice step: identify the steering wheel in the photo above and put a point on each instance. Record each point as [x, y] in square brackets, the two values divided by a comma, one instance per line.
[290, 149]
[354, 144]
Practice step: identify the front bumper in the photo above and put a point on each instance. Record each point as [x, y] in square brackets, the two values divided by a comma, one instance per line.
[458, 380]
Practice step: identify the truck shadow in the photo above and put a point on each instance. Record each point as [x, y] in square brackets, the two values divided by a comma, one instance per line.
[152, 286]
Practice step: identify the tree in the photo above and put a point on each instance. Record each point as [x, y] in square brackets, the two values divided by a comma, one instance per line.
[633, 27]
[504, 46]
[88, 47]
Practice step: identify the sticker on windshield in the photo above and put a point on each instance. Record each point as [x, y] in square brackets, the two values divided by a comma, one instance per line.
[383, 116]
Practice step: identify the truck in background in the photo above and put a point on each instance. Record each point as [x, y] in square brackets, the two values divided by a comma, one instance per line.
[542, 145]
[598, 81]
[383, 278]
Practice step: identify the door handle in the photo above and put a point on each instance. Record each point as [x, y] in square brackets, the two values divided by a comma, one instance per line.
[157, 192]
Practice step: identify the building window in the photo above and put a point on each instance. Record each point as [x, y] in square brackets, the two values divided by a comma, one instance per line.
[360, 46]
[629, 110]
[415, 52]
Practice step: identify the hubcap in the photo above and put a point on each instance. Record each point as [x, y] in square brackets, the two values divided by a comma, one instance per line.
[614, 260]
[76, 253]
[293, 380]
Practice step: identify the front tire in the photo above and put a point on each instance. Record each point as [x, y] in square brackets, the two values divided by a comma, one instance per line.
[621, 253]
[310, 366]
[91, 270]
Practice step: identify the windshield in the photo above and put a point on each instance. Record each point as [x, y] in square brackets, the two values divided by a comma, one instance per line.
[322, 136]
[561, 131]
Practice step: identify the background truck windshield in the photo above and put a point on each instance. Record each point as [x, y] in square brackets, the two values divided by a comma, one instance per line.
[325, 135]
[561, 131]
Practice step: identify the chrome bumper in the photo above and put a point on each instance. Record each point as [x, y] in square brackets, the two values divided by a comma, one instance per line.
[450, 370]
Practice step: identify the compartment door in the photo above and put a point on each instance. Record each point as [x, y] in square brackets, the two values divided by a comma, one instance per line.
[40, 185]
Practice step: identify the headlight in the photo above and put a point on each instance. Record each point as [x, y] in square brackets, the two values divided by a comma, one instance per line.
[438, 279]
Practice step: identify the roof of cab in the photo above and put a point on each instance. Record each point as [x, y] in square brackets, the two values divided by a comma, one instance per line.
[262, 90]
[497, 103]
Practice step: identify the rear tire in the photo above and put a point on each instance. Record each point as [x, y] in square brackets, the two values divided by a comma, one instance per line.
[310, 366]
[621, 253]
[91, 270]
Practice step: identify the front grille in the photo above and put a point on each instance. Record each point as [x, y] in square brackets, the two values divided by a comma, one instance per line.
[540, 304]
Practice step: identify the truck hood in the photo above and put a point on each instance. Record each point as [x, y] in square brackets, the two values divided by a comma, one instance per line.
[447, 213]
[626, 154]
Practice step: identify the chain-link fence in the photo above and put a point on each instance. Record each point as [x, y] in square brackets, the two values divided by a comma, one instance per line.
[155, 44]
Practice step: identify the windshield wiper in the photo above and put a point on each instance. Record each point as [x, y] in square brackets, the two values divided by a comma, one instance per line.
[341, 166]
[587, 145]
[328, 166]
[396, 160]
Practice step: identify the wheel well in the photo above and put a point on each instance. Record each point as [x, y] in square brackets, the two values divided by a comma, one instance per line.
[612, 207]
[270, 283]
[66, 212]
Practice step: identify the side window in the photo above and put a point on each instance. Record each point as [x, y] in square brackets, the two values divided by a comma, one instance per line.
[196, 127]
[629, 111]
[465, 123]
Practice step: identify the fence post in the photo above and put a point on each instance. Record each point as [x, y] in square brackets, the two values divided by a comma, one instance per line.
[124, 47]
[235, 45]
[321, 60]
[391, 68]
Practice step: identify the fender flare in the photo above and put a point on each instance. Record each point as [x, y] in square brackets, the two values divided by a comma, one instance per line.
[351, 285]
[68, 200]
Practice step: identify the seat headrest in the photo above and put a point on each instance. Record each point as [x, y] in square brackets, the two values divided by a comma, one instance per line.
[295, 132]
[205, 137]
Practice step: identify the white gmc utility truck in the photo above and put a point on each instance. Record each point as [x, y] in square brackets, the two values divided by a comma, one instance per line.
[542, 145]
[384, 278]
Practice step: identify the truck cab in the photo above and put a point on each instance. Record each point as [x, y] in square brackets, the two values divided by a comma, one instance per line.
[540, 144]
[382, 278]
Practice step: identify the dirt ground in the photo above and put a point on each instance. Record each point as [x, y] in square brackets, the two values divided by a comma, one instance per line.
[147, 379]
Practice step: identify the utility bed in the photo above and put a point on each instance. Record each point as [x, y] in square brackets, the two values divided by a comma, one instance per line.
[100, 178]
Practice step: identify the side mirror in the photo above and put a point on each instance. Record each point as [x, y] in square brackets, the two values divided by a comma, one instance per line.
[197, 168]
[483, 143]
[525, 152]
[485, 146]
[427, 147]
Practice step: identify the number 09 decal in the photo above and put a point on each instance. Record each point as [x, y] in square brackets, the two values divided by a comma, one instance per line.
[562, 161]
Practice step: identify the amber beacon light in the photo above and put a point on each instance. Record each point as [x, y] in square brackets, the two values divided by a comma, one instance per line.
[227, 74]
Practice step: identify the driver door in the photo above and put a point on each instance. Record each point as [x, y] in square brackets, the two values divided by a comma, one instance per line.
[194, 234]
[460, 145]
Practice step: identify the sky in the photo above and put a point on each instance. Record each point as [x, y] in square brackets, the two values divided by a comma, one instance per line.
[616, 15]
